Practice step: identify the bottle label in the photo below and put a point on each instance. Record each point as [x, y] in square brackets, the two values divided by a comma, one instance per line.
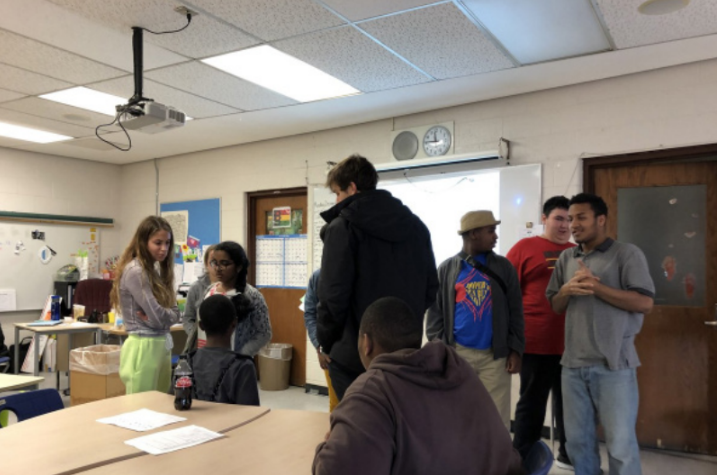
[183, 382]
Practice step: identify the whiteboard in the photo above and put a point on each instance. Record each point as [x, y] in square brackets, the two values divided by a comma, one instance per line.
[440, 198]
[24, 272]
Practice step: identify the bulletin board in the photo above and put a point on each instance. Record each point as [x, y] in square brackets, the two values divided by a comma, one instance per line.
[203, 221]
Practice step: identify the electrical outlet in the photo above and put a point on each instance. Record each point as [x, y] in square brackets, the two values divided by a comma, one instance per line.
[184, 11]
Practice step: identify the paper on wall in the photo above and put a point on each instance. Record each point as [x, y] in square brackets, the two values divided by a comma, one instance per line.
[179, 221]
[8, 300]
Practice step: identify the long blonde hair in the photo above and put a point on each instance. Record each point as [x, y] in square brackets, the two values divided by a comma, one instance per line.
[162, 284]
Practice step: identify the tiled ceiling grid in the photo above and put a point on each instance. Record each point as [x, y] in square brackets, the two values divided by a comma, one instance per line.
[372, 45]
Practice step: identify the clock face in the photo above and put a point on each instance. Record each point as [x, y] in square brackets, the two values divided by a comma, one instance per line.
[437, 141]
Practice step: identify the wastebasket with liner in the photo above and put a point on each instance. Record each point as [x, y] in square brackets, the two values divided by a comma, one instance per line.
[94, 373]
[275, 366]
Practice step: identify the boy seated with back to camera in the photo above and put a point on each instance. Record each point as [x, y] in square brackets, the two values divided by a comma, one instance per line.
[220, 374]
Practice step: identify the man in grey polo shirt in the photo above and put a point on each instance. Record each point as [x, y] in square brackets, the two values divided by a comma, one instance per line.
[605, 289]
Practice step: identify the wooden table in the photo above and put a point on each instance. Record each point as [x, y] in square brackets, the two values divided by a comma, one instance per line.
[64, 328]
[280, 442]
[12, 382]
[71, 440]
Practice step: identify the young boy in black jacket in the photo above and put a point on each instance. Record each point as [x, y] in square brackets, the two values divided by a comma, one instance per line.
[220, 374]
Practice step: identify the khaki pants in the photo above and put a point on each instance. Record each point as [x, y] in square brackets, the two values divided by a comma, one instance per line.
[493, 375]
[333, 398]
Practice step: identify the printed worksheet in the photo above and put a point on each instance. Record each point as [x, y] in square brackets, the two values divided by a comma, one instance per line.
[171, 440]
[142, 420]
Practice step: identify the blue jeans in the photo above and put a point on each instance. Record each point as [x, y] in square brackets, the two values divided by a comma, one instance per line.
[596, 391]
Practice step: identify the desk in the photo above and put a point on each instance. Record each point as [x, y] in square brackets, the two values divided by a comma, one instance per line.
[110, 329]
[12, 382]
[281, 441]
[64, 328]
[71, 441]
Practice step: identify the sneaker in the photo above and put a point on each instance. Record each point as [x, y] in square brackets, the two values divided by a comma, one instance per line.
[564, 462]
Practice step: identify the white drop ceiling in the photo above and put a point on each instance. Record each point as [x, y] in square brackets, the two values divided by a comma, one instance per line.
[405, 56]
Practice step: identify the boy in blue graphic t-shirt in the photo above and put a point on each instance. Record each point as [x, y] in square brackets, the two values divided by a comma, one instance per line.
[479, 308]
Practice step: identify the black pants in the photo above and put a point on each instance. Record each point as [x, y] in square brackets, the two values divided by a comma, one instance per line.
[341, 378]
[539, 375]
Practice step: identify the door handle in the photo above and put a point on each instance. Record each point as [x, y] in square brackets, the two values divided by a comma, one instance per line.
[713, 323]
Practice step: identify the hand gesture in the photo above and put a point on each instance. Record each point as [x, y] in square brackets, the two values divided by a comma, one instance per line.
[324, 360]
[582, 283]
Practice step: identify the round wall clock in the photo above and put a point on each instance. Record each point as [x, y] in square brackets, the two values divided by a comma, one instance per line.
[437, 141]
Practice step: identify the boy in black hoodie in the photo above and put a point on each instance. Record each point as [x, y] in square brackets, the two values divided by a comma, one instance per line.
[417, 411]
[374, 247]
[220, 374]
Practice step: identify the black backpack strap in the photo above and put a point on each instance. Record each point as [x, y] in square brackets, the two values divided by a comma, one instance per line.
[485, 270]
[222, 374]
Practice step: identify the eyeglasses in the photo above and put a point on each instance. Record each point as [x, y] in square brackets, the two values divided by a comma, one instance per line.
[221, 265]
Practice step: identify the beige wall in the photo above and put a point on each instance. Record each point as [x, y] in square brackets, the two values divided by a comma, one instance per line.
[36, 183]
[658, 109]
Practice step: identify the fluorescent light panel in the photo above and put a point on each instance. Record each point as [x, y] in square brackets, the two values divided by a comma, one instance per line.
[270, 68]
[27, 134]
[535, 31]
[88, 99]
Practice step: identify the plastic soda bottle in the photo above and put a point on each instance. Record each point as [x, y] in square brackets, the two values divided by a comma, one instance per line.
[183, 385]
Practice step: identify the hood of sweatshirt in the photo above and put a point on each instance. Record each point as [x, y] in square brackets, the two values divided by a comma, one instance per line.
[378, 214]
[436, 366]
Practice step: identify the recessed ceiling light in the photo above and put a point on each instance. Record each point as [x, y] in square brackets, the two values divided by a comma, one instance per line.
[27, 134]
[272, 69]
[88, 99]
[662, 7]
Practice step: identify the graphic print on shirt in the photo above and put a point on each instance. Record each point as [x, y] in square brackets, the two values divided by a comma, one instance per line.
[474, 295]
[551, 257]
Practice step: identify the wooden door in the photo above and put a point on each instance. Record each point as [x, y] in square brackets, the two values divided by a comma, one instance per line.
[678, 376]
[287, 321]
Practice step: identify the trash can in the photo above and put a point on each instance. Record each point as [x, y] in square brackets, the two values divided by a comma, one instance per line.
[94, 373]
[275, 366]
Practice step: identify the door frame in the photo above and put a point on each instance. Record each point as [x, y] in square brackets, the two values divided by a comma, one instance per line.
[252, 197]
[696, 153]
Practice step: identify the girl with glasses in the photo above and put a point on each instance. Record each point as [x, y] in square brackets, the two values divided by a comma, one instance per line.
[253, 329]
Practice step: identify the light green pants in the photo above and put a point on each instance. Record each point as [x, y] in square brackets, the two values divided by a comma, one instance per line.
[145, 364]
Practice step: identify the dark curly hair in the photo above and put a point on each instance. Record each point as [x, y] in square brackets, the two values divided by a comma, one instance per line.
[238, 256]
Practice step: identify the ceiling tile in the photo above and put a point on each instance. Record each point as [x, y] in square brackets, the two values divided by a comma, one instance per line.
[6, 95]
[542, 31]
[56, 111]
[630, 28]
[192, 105]
[364, 9]
[218, 86]
[34, 56]
[41, 123]
[352, 57]
[28, 82]
[205, 36]
[440, 40]
[271, 19]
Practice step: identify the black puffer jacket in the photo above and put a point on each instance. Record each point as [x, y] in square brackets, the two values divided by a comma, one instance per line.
[374, 247]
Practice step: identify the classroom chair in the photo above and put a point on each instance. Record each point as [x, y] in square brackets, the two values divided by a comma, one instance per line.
[539, 460]
[27, 405]
[94, 294]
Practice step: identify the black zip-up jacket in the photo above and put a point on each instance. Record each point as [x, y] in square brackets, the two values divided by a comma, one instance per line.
[374, 247]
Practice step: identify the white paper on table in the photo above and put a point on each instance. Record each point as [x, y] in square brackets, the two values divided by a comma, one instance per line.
[142, 420]
[171, 440]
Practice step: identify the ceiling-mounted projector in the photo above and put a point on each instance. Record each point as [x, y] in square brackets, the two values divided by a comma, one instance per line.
[152, 118]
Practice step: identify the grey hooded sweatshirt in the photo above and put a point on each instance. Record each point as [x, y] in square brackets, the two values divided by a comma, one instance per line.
[417, 412]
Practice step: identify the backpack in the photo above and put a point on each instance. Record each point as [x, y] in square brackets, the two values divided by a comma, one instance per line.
[24, 348]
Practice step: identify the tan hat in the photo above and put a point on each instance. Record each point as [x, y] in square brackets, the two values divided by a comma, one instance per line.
[477, 219]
